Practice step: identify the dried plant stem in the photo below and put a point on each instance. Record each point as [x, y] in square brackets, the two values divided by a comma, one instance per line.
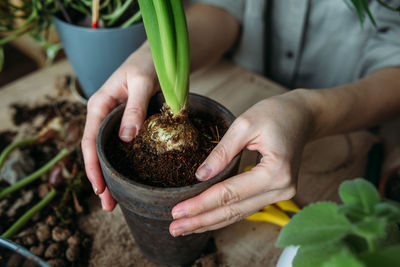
[29, 214]
[35, 175]
[14, 145]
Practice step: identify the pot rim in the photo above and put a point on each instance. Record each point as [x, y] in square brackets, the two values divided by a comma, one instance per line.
[26, 254]
[123, 179]
[97, 30]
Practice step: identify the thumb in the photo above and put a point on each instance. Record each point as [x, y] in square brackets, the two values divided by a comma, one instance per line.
[234, 140]
[139, 94]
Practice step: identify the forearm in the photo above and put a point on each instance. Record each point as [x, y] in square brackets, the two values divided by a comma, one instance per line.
[354, 106]
[212, 32]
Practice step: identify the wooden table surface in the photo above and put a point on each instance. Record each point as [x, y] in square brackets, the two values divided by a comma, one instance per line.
[326, 163]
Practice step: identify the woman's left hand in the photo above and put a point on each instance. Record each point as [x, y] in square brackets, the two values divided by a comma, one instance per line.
[278, 128]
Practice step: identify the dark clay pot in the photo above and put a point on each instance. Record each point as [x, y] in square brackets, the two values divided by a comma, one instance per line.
[147, 209]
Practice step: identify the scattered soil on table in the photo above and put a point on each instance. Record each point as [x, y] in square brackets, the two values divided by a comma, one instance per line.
[138, 161]
[23, 113]
[59, 241]
[54, 233]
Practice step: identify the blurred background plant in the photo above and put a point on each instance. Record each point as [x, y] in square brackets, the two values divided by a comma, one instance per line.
[361, 6]
[34, 17]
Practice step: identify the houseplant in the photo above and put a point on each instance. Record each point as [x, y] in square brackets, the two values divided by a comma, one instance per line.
[362, 8]
[94, 53]
[172, 135]
[360, 232]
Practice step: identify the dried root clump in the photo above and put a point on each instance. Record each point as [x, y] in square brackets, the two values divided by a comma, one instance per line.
[166, 131]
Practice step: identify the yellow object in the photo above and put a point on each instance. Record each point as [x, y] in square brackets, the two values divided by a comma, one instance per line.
[274, 213]
[248, 168]
[288, 205]
[270, 214]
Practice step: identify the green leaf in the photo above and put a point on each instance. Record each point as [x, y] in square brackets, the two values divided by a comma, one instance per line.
[353, 212]
[162, 45]
[359, 192]
[370, 228]
[316, 255]
[392, 236]
[389, 256]
[344, 259]
[316, 224]
[388, 210]
[362, 8]
[51, 51]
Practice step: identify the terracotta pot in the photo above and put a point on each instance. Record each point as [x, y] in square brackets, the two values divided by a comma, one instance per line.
[147, 209]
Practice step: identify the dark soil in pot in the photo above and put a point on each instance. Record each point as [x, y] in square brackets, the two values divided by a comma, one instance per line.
[137, 160]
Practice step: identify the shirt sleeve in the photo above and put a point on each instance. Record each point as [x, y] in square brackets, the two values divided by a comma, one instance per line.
[383, 48]
[235, 7]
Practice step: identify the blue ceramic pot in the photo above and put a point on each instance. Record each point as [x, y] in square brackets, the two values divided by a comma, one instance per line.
[96, 53]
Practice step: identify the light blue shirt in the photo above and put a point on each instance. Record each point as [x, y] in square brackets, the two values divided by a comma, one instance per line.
[313, 43]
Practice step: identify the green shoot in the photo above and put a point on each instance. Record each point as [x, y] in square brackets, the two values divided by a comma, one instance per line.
[167, 33]
[29, 214]
[14, 145]
[35, 175]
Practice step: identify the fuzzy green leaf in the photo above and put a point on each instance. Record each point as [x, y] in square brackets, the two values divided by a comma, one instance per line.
[388, 210]
[353, 212]
[370, 228]
[341, 260]
[389, 256]
[318, 223]
[359, 192]
[316, 255]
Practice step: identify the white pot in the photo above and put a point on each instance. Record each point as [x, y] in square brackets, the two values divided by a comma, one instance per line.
[287, 256]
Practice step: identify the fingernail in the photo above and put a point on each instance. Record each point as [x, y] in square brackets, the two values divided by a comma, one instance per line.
[95, 189]
[128, 133]
[177, 232]
[203, 172]
[176, 214]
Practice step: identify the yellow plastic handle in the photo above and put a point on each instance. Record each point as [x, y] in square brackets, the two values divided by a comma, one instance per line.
[270, 214]
[288, 205]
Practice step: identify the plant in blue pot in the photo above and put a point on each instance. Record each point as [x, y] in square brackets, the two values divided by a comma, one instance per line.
[95, 50]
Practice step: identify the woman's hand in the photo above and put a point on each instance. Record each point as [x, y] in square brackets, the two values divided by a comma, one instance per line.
[278, 128]
[134, 83]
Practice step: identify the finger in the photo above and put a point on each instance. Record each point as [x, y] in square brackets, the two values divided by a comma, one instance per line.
[107, 201]
[226, 215]
[98, 107]
[139, 93]
[234, 140]
[264, 177]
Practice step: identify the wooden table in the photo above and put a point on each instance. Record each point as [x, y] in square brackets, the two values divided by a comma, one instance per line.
[325, 164]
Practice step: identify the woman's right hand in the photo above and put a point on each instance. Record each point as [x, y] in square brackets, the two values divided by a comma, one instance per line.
[133, 83]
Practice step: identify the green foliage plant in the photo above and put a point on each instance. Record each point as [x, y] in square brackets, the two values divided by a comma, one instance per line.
[362, 232]
[36, 18]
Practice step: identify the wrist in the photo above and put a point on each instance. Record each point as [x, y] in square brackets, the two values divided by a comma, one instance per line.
[308, 103]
